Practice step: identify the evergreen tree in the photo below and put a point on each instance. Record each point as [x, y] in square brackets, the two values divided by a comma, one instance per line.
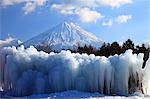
[91, 49]
[86, 49]
[127, 45]
[115, 48]
[104, 50]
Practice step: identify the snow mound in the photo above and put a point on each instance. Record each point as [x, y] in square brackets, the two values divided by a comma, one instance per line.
[64, 36]
[9, 42]
[28, 71]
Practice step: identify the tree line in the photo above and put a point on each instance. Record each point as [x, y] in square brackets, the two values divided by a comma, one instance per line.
[107, 49]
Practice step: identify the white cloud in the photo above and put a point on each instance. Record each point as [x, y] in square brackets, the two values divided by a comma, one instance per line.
[108, 23]
[10, 2]
[123, 18]
[66, 9]
[40, 2]
[85, 3]
[98, 3]
[85, 10]
[87, 15]
[114, 3]
[30, 5]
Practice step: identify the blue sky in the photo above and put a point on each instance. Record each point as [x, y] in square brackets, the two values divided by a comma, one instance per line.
[110, 20]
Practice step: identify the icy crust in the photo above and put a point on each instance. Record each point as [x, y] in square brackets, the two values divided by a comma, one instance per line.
[27, 71]
[65, 36]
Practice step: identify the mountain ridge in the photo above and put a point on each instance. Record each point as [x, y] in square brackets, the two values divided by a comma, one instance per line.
[65, 36]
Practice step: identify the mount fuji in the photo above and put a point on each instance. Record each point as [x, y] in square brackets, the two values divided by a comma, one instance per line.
[65, 36]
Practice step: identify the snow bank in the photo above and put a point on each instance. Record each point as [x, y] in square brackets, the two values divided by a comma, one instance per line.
[9, 42]
[27, 71]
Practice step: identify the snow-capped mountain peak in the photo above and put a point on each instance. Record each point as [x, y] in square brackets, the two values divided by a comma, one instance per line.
[65, 36]
[89, 35]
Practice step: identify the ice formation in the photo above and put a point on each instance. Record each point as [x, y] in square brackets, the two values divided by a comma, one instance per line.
[27, 71]
[146, 78]
[147, 44]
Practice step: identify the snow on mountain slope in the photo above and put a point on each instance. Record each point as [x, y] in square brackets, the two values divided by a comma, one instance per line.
[9, 42]
[65, 36]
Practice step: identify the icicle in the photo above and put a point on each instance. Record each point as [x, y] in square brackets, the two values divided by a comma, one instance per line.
[27, 71]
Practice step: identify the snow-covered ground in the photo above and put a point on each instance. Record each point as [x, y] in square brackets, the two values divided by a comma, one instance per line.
[87, 95]
[78, 94]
